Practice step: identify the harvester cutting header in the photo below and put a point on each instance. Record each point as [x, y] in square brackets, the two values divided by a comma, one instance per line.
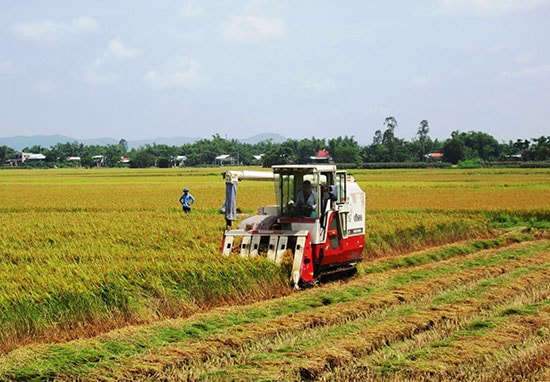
[317, 227]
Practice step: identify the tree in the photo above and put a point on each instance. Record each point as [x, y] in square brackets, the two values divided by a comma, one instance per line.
[386, 147]
[344, 150]
[306, 148]
[540, 150]
[521, 145]
[86, 161]
[61, 151]
[6, 153]
[142, 159]
[453, 149]
[389, 133]
[36, 149]
[388, 138]
[471, 145]
[481, 145]
[123, 143]
[282, 153]
[422, 133]
[163, 162]
[377, 139]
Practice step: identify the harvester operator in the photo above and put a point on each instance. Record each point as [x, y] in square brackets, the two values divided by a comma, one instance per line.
[306, 201]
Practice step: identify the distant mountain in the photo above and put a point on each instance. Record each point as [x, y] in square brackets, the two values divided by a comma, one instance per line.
[275, 138]
[47, 141]
[19, 142]
[175, 141]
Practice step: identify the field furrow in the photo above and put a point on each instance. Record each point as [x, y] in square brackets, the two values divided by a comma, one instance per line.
[310, 353]
[370, 310]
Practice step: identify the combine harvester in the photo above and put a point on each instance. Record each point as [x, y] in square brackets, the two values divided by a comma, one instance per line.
[323, 237]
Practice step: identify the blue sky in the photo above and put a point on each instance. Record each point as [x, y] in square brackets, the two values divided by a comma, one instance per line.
[147, 69]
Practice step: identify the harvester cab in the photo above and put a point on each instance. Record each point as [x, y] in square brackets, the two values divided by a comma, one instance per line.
[316, 228]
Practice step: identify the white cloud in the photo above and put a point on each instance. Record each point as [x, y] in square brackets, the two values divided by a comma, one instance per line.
[419, 81]
[93, 75]
[191, 11]
[45, 86]
[253, 29]
[118, 51]
[51, 31]
[6, 67]
[528, 72]
[102, 69]
[490, 7]
[324, 86]
[179, 74]
[524, 57]
[83, 24]
[457, 73]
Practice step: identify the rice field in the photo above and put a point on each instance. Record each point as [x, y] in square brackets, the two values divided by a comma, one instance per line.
[102, 277]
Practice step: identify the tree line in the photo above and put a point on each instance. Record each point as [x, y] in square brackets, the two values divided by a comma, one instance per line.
[386, 147]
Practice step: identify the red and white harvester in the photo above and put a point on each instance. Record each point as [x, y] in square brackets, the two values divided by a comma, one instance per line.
[326, 237]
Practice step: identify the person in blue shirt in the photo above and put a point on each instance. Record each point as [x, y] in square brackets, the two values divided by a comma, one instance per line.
[186, 200]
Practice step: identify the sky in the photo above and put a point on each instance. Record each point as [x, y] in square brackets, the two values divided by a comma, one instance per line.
[137, 69]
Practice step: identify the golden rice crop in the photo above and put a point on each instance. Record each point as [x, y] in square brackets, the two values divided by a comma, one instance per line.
[484, 189]
[102, 247]
[386, 325]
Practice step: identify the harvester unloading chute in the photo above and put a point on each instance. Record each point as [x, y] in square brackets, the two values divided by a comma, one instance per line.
[231, 181]
[230, 204]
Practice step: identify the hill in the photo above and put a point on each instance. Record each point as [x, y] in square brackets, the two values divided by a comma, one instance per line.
[275, 138]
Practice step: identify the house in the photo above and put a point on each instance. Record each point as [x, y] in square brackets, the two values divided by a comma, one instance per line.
[322, 156]
[515, 157]
[99, 160]
[434, 157]
[179, 160]
[220, 160]
[24, 157]
[31, 156]
[73, 159]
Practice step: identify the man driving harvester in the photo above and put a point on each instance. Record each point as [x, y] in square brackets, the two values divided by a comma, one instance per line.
[306, 201]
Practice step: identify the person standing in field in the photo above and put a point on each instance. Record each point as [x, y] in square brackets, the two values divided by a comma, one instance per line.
[186, 200]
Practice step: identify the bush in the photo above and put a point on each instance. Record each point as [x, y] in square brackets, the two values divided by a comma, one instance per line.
[393, 165]
[471, 163]
[163, 162]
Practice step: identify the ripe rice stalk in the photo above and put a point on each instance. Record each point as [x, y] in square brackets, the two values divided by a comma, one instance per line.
[87, 246]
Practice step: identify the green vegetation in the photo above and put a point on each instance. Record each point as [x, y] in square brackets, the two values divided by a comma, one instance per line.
[467, 149]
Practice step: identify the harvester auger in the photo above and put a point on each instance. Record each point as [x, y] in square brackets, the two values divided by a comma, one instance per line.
[313, 236]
